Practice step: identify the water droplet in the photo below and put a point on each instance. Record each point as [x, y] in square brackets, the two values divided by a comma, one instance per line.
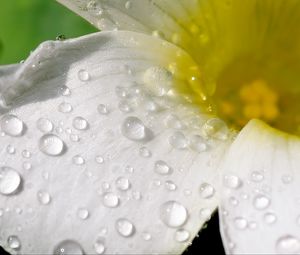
[82, 213]
[128, 5]
[134, 129]
[13, 242]
[146, 236]
[125, 227]
[44, 125]
[162, 168]
[65, 91]
[27, 165]
[110, 200]
[78, 160]
[136, 195]
[10, 180]
[122, 183]
[99, 159]
[43, 197]
[233, 201]
[26, 154]
[216, 128]
[83, 75]
[80, 123]
[197, 143]
[286, 179]
[65, 107]
[181, 235]
[205, 214]
[12, 125]
[68, 247]
[178, 140]
[51, 145]
[288, 244]
[232, 181]
[10, 149]
[145, 152]
[102, 109]
[129, 169]
[172, 121]
[74, 138]
[261, 202]
[240, 223]
[270, 218]
[257, 176]
[124, 106]
[170, 185]
[99, 246]
[206, 190]
[173, 214]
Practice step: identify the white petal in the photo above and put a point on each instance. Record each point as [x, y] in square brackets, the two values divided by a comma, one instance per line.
[97, 147]
[261, 191]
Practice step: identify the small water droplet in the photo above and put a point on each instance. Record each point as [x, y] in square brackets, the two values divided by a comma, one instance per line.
[110, 200]
[181, 235]
[74, 138]
[12, 125]
[287, 179]
[173, 214]
[83, 75]
[99, 246]
[146, 236]
[65, 107]
[82, 213]
[232, 181]
[26, 165]
[99, 159]
[78, 160]
[288, 244]
[270, 218]
[43, 197]
[129, 169]
[197, 143]
[233, 201]
[122, 183]
[261, 202]
[170, 185]
[51, 145]
[216, 128]
[80, 123]
[134, 129]
[162, 168]
[206, 190]
[240, 223]
[44, 125]
[172, 121]
[68, 247]
[257, 176]
[145, 152]
[10, 180]
[124, 106]
[10, 149]
[102, 109]
[65, 91]
[13, 242]
[26, 154]
[178, 140]
[125, 227]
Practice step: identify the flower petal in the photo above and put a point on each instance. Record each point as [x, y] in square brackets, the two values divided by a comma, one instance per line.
[94, 159]
[260, 196]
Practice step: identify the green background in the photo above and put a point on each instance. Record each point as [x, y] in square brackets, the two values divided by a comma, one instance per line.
[24, 24]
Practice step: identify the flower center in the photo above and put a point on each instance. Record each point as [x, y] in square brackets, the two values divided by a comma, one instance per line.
[248, 57]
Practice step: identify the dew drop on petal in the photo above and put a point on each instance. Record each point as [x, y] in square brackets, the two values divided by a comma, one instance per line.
[68, 247]
[146, 236]
[134, 129]
[110, 200]
[261, 202]
[10, 180]
[240, 223]
[232, 181]
[125, 227]
[173, 214]
[10, 149]
[65, 107]
[51, 145]
[99, 246]
[44, 125]
[80, 123]
[82, 213]
[170, 185]
[26, 154]
[197, 143]
[102, 109]
[162, 168]
[43, 197]
[178, 140]
[99, 159]
[13, 242]
[288, 244]
[145, 152]
[216, 128]
[122, 183]
[78, 160]
[206, 190]
[270, 218]
[181, 235]
[12, 125]
[83, 75]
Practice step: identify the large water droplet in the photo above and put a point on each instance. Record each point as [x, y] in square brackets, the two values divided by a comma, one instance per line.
[261, 202]
[216, 128]
[99, 246]
[134, 129]
[68, 247]
[232, 181]
[10, 180]
[240, 223]
[80, 123]
[162, 168]
[82, 213]
[83, 75]
[173, 214]
[288, 244]
[125, 227]
[270, 218]
[206, 190]
[178, 140]
[181, 235]
[43, 197]
[13, 242]
[51, 145]
[12, 125]
[110, 200]
[122, 183]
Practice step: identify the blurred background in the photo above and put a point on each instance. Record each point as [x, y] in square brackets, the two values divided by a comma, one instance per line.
[24, 24]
